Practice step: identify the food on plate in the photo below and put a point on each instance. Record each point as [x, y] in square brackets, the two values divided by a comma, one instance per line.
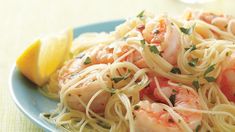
[152, 73]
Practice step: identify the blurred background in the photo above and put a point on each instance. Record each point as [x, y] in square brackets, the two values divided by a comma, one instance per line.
[23, 20]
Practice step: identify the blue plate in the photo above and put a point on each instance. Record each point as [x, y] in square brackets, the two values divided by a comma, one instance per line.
[26, 95]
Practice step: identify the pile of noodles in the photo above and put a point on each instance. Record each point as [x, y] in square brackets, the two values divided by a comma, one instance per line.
[218, 113]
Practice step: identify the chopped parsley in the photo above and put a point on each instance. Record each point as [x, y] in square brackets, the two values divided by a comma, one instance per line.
[196, 84]
[187, 31]
[193, 62]
[136, 107]
[228, 53]
[198, 128]
[192, 48]
[117, 79]
[156, 31]
[180, 84]
[123, 77]
[154, 49]
[87, 61]
[103, 124]
[209, 69]
[112, 91]
[175, 70]
[210, 79]
[142, 42]
[46, 115]
[173, 90]
[141, 14]
[172, 99]
[179, 120]
[126, 37]
[79, 56]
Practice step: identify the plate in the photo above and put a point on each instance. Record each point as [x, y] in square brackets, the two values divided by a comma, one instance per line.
[26, 95]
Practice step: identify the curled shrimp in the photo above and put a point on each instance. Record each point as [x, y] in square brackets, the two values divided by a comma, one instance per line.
[85, 93]
[163, 33]
[227, 77]
[155, 115]
[221, 21]
[104, 54]
[88, 85]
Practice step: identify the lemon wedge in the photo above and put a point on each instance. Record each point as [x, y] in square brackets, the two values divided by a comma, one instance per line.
[44, 56]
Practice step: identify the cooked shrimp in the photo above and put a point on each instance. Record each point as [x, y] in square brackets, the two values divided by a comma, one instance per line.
[231, 26]
[103, 54]
[219, 20]
[164, 34]
[85, 93]
[157, 118]
[88, 86]
[227, 77]
[80, 86]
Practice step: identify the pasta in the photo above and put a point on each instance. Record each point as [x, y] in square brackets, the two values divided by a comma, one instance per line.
[150, 74]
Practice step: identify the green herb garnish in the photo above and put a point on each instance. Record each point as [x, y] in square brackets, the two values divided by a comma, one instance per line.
[156, 31]
[187, 31]
[198, 128]
[112, 91]
[210, 79]
[228, 53]
[179, 120]
[87, 61]
[136, 107]
[123, 77]
[117, 79]
[154, 49]
[193, 62]
[126, 37]
[175, 70]
[46, 115]
[142, 42]
[172, 99]
[192, 48]
[103, 124]
[209, 69]
[196, 84]
[141, 14]
[186, 49]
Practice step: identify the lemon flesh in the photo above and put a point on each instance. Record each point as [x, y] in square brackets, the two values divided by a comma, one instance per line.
[44, 56]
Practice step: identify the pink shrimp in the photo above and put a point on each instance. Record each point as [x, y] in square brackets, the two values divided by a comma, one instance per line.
[85, 93]
[156, 118]
[219, 20]
[102, 54]
[227, 77]
[163, 33]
